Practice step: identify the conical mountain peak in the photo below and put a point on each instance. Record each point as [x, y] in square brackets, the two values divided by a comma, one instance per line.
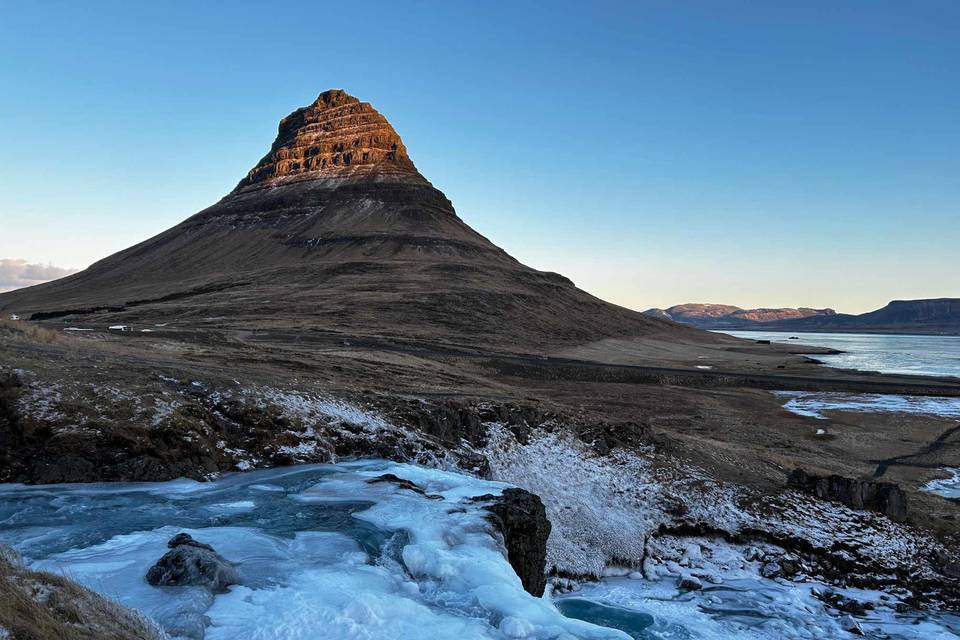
[335, 138]
[334, 230]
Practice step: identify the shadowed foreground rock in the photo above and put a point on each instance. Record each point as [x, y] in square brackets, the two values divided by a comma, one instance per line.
[520, 516]
[885, 497]
[192, 563]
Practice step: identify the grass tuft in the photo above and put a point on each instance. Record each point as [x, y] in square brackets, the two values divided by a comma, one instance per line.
[36, 605]
[20, 329]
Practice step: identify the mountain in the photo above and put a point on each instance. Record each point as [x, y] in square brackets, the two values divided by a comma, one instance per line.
[335, 230]
[931, 316]
[724, 316]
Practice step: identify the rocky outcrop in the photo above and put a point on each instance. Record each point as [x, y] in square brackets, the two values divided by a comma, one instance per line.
[192, 563]
[884, 497]
[522, 520]
[335, 137]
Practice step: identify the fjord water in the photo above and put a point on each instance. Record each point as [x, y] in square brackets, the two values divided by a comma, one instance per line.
[322, 552]
[918, 355]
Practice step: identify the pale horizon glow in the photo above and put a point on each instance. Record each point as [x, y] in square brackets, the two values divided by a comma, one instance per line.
[744, 153]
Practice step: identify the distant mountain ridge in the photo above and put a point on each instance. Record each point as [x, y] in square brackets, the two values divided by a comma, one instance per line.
[930, 316]
[720, 316]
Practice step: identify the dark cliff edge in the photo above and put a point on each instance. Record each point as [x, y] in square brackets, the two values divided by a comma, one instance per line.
[522, 520]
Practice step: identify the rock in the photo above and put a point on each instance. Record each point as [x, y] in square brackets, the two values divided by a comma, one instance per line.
[843, 603]
[336, 136]
[770, 570]
[192, 563]
[946, 565]
[404, 484]
[884, 497]
[692, 552]
[790, 566]
[184, 538]
[690, 583]
[852, 626]
[753, 553]
[520, 516]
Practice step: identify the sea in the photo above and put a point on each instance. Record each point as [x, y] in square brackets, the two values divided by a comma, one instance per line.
[909, 354]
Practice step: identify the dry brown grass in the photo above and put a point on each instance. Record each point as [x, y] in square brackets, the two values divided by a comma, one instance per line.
[20, 329]
[35, 605]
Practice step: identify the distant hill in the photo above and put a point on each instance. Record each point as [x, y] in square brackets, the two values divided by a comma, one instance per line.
[725, 316]
[932, 316]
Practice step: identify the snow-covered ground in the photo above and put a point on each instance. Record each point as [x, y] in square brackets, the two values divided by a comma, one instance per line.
[711, 590]
[948, 487]
[813, 404]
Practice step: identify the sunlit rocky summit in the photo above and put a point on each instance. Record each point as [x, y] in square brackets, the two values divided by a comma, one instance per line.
[337, 138]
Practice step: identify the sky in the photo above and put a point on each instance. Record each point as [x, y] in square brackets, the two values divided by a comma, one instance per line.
[752, 153]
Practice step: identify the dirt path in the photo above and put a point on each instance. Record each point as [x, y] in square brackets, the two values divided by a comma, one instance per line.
[933, 447]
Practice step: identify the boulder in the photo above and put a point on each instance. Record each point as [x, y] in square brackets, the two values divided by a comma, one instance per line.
[192, 563]
[690, 583]
[771, 570]
[884, 497]
[522, 520]
[843, 603]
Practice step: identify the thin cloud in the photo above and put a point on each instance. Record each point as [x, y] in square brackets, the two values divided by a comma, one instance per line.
[16, 273]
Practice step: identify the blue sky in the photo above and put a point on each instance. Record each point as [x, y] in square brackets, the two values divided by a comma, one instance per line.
[752, 153]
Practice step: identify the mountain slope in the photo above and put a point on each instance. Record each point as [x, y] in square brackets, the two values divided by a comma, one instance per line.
[935, 316]
[335, 230]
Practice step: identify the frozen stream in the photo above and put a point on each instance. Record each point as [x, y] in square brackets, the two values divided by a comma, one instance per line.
[323, 553]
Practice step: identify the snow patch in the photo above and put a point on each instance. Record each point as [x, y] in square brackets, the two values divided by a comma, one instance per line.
[42, 402]
[600, 508]
[812, 404]
[948, 488]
